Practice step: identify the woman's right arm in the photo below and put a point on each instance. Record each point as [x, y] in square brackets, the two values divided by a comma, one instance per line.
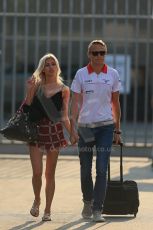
[30, 90]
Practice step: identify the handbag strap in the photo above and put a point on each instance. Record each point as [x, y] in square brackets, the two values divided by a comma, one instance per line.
[49, 107]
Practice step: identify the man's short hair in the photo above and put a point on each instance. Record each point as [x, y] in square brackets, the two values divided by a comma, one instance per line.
[101, 42]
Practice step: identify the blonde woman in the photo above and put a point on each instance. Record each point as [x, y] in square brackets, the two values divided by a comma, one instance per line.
[46, 87]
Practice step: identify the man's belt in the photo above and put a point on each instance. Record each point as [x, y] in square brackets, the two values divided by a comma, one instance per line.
[95, 124]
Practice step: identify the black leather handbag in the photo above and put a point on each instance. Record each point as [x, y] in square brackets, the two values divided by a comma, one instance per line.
[20, 128]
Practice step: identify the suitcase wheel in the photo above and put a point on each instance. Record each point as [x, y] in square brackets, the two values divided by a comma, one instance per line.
[135, 214]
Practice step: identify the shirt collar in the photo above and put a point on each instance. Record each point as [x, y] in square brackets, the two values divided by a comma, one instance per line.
[90, 69]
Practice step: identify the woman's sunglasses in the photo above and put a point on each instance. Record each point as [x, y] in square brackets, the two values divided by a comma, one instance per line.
[96, 53]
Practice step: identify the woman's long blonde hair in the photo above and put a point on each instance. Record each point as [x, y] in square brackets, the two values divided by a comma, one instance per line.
[38, 72]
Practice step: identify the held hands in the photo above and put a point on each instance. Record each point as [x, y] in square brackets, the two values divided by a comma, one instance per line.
[74, 137]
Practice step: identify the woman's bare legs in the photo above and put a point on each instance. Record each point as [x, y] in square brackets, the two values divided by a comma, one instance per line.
[37, 167]
[51, 161]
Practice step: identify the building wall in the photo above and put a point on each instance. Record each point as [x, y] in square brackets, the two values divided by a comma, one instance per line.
[31, 28]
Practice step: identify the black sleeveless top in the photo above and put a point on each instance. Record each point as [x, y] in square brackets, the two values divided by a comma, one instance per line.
[38, 110]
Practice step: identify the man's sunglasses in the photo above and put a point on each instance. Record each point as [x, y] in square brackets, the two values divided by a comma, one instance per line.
[96, 53]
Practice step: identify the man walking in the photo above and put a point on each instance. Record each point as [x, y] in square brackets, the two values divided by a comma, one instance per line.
[95, 109]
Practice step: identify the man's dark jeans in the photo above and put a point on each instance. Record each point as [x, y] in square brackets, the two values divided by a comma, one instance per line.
[102, 138]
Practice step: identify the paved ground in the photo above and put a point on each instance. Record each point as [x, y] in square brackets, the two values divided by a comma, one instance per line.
[17, 196]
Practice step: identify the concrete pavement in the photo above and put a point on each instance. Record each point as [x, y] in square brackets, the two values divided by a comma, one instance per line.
[16, 147]
[17, 196]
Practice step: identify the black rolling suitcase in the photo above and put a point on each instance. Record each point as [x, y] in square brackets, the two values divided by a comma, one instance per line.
[122, 197]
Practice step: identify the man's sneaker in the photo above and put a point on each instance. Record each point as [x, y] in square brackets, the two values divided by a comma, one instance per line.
[97, 217]
[87, 209]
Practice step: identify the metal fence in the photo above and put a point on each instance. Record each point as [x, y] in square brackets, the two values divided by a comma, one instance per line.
[31, 28]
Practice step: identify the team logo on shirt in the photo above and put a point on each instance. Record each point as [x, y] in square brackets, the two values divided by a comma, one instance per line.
[105, 81]
[88, 81]
[89, 91]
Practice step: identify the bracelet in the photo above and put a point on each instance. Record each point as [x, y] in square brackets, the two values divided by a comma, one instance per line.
[117, 131]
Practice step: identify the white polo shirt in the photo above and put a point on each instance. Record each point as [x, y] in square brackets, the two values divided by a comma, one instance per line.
[96, 90]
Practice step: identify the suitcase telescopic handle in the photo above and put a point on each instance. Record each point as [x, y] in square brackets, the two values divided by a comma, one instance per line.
[121, 164]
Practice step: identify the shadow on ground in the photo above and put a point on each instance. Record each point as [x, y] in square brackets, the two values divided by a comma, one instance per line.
[28, 225]
[81, 224]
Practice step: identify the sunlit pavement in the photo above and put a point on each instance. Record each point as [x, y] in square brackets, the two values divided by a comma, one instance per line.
[17, 196]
